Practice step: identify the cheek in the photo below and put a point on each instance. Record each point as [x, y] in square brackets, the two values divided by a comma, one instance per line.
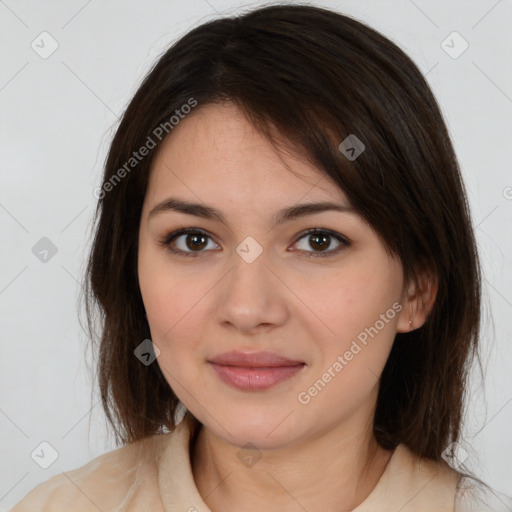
[353, 298]
[350, 357]
[359, 311]
[175, 310]
[172, 299]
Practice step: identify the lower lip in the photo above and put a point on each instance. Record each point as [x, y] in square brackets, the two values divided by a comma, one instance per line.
[255, 378]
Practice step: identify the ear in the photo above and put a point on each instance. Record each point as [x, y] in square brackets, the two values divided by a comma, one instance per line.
[417, 301]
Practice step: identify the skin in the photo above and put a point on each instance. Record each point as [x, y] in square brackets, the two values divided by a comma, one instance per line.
[316, 456]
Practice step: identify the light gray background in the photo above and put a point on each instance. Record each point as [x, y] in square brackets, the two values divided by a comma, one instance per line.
[58, 116]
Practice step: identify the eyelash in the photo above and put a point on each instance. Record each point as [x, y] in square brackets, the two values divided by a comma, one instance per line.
[169, 238]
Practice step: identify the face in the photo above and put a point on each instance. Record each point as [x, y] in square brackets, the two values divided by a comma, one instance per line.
[328, 301]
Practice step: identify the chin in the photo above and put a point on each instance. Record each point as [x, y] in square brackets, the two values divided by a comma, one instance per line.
[266, 428]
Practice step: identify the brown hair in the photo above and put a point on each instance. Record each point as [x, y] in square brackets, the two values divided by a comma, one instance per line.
[313, 77]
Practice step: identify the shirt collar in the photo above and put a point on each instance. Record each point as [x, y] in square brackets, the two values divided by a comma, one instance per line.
[408, 484]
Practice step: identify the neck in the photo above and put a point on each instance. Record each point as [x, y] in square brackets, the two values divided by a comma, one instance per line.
[335, 471]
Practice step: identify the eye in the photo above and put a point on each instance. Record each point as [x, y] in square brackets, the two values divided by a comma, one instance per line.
[320, 239]
[194, 240]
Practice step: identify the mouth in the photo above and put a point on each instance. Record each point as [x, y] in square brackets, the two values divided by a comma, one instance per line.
[255, 378]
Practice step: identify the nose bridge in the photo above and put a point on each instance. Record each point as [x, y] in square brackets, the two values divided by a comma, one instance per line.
[251, 293]
[250, 263]
[250, 278]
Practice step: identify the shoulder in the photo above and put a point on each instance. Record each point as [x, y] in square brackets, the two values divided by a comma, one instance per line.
[101, 484]
[425, 469]
[424, 484]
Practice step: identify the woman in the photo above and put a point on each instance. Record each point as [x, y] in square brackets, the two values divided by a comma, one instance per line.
[284, 253]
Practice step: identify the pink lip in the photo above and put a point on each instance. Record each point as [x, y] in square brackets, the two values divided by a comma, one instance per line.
[253, 359]
[256, 371]
[255, 378]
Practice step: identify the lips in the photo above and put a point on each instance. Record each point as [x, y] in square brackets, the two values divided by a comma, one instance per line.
[254, 360]
[256, 371]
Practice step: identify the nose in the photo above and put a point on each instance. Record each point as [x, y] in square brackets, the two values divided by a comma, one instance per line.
[252, 297]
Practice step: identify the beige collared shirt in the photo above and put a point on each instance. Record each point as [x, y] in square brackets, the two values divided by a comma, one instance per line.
[155, 475]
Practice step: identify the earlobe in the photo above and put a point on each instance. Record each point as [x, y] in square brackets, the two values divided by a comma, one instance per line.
[405, 324]
[418, 304]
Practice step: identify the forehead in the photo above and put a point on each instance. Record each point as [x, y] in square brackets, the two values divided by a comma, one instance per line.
[216, 155]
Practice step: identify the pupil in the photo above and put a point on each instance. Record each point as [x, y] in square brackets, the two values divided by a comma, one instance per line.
[195, 244]
[324, 239]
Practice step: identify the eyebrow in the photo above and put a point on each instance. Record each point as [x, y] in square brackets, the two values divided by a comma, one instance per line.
[173, 204]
